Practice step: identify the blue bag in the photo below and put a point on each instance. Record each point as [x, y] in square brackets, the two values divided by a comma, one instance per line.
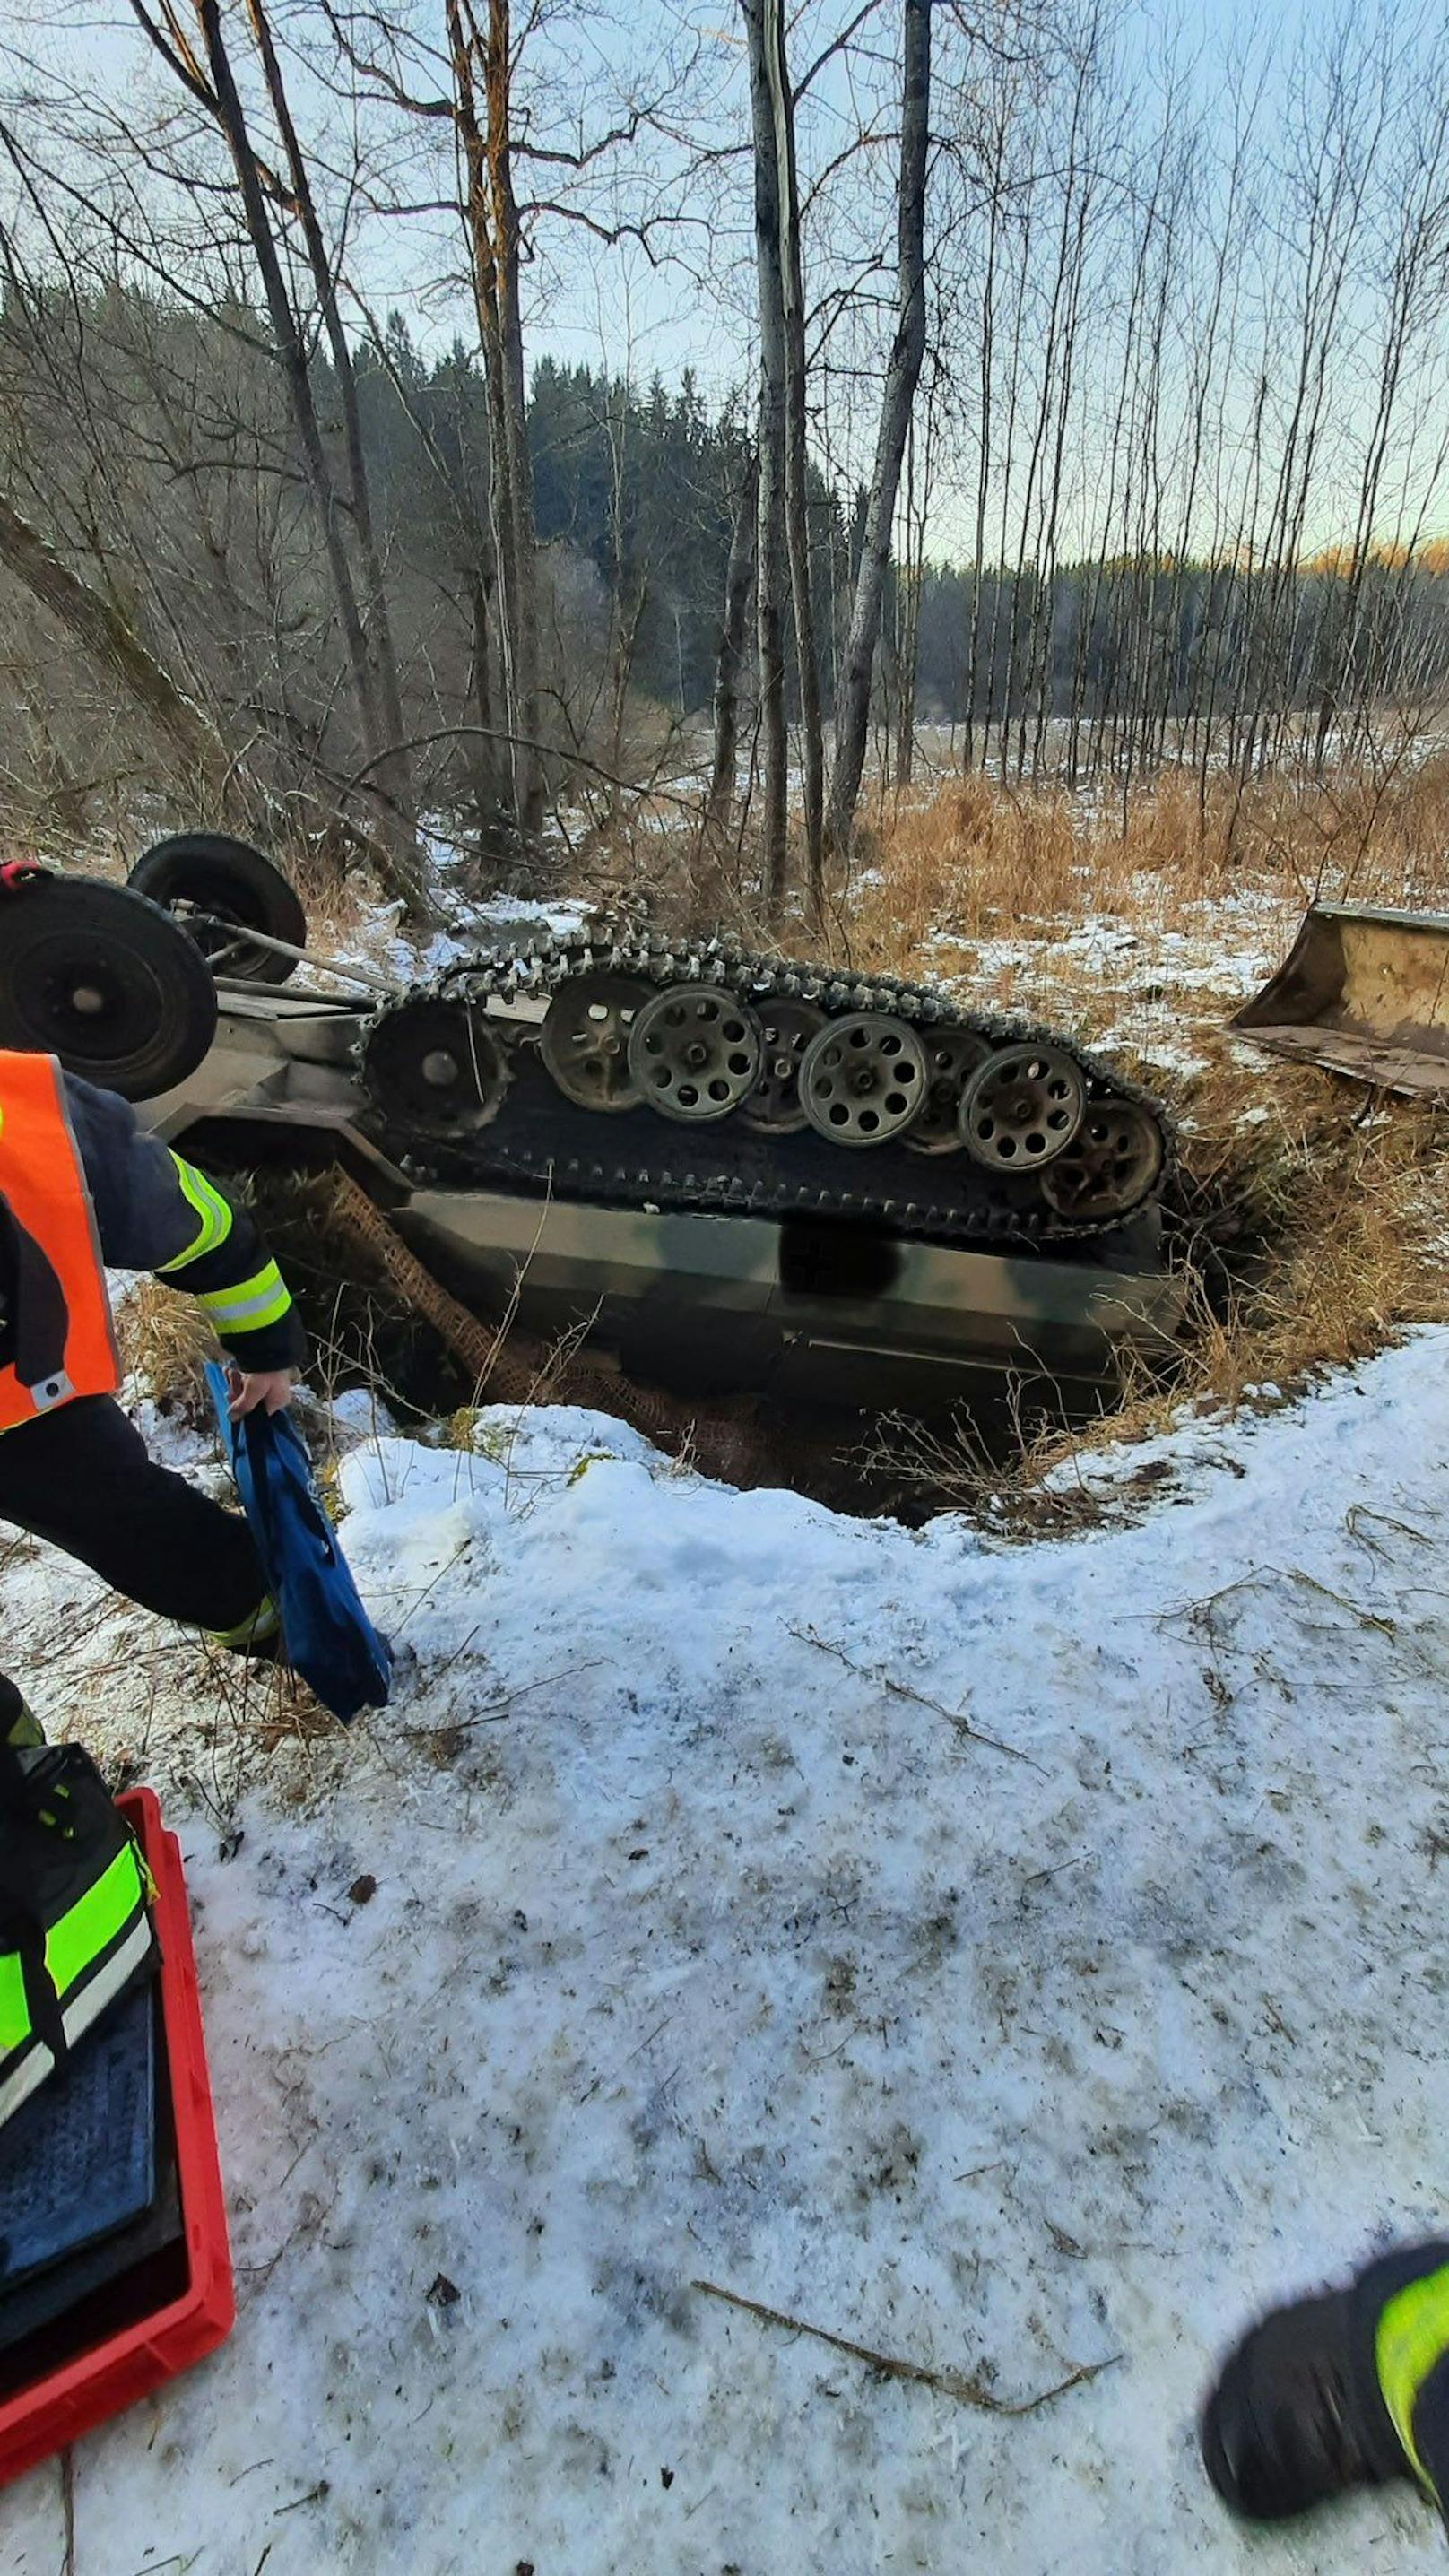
[330, 1639]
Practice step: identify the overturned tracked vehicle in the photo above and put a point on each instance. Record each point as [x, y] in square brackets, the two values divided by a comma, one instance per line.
[734, 1174]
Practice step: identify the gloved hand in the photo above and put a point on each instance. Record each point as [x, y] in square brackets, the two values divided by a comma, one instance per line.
[271, 1388]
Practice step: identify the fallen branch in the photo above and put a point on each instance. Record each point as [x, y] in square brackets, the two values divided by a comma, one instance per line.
[515, 1368]
[885, 1681]
[1354, 1520]
[690, 805]
[950, 2383]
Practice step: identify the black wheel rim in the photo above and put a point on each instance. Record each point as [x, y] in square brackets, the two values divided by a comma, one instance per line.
[90, 1002]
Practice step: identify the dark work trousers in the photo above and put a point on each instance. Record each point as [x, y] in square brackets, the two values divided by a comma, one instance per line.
[81, 1477]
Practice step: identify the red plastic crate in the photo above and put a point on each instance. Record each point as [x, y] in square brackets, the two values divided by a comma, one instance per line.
[105, 2377]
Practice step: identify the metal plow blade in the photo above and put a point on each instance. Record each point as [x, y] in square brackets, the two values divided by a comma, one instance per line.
[1366, 993]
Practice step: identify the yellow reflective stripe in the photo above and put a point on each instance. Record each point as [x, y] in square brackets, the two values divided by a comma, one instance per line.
[14, 2017]
[257, 1629]
[1413, 2337]
[94, 1920]
[263, 1299]
[212, 1211]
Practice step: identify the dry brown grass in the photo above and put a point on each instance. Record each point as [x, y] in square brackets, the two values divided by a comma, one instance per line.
[1312, 1223]
[1332, 1235]
[165, 1342]
[978, 858]
[1307, 1241]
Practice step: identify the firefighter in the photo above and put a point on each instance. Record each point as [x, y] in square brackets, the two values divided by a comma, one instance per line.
[1348, 2387]
[81, 1186]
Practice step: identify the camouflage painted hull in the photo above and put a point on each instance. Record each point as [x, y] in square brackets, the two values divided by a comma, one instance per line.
[829, 1309]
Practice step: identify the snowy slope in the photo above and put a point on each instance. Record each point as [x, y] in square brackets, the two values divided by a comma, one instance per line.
[699, 1953]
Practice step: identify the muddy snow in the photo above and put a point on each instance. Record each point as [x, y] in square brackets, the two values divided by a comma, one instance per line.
[1018, 1961]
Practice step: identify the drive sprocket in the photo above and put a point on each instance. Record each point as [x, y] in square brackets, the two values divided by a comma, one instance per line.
[434, 1064]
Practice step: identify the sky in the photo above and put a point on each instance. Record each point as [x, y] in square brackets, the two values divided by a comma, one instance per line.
[682, 300]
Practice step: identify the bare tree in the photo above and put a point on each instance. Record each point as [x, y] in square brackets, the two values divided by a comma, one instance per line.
[782, 340]
[730, 660]
[112, 643]
[902, 376]
[211, 81]
[494, 249]
[773, 441]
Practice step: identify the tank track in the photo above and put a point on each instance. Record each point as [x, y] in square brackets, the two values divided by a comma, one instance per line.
[545, 1142]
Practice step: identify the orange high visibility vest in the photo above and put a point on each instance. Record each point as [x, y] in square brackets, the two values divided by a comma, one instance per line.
[61, 1323]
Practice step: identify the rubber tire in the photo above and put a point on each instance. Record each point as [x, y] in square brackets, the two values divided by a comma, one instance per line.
[162, 981]
[228, 877]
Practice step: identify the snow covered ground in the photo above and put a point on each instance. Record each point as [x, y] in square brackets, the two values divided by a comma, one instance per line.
[1163, 988]
[1016, 1960]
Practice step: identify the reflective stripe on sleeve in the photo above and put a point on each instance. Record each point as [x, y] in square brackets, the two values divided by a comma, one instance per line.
[1412, 2338]
[214, 1217]
[263, 1299]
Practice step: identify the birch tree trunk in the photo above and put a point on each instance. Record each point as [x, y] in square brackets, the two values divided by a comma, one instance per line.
[777, 233]
[729, 665]
[515, 414]
[493, 240]
[770, 648]
[902, 377]
[773, 439]
[394, 772]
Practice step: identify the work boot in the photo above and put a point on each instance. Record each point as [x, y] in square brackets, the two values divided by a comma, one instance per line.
[1320, 2395]
[75, 1922]
[258, 1635]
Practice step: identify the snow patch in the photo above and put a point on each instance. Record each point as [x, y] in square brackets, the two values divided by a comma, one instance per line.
[1009, 1958]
